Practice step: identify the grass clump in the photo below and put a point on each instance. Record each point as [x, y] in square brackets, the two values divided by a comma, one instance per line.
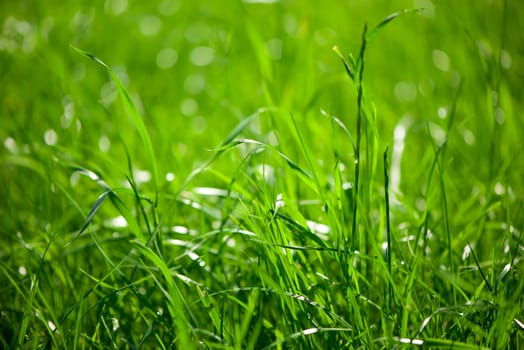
[226, 181]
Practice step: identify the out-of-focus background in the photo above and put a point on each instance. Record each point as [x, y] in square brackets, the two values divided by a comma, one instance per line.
[196, 69]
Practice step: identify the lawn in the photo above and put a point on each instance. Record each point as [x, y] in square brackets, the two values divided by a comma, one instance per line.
[261, 174]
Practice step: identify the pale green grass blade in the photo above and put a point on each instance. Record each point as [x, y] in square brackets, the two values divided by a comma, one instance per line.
[299, 171]
[343, 126]
[349, 68]
[261, 52]
[372, 34]
[135, 116]
[227, 142]
[307, 155]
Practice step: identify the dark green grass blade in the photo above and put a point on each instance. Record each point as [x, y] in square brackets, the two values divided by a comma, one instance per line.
[119, 205]
[388, 226]
[91, 214]
[177, 306]
[299, 229]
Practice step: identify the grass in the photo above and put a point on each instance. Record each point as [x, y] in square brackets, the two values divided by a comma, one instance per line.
[218, 176]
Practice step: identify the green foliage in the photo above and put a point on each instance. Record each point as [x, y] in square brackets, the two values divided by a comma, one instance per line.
[261, 175]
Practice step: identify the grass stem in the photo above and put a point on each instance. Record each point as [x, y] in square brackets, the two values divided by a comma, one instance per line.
[360, 95]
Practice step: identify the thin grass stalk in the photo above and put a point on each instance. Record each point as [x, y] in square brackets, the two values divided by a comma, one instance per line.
[359, 136]
[477, 263]
[388, 227]
[446, 223]
[79, 321]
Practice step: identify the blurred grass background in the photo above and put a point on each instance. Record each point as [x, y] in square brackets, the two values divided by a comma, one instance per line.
[201, 67]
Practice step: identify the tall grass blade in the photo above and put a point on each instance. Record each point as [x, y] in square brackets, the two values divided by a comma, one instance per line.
[388, 227]
[135, 116]
[360, 95]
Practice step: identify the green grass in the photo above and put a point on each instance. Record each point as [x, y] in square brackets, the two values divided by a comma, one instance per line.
[236, 175]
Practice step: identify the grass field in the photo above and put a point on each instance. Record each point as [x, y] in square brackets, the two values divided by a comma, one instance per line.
[261, 174]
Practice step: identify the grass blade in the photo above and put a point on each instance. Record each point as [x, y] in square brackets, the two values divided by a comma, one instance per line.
[375, 31]
[135, 116]
[177, 306]
[388, 226]
[91, 215]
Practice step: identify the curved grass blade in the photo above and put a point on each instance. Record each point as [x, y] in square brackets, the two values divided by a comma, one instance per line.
[90, 215]
[341, 124]
[228, 141]
[119, 205]
[131, 220]
[347, 66]
[297, 228]
[372, 34]
[301, 173]
[135, 116]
